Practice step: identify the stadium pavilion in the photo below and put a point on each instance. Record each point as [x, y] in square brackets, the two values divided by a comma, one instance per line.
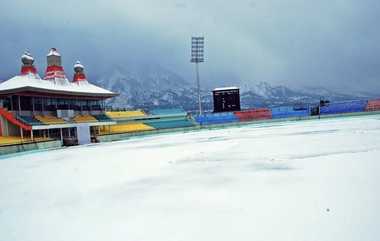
[53, 106]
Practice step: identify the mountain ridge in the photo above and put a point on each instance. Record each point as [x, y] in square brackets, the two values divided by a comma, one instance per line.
[152, 86]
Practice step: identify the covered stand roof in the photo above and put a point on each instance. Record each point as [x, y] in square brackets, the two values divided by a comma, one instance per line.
[54, 83]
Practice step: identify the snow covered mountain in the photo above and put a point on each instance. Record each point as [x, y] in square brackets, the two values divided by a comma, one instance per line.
[152, 86]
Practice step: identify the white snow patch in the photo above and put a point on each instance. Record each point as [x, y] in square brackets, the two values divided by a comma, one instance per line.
[78, 65]
[53, 51]
[34, 81]
[310, 180]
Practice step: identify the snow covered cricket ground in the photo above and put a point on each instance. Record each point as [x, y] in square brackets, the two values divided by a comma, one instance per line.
[310, 180]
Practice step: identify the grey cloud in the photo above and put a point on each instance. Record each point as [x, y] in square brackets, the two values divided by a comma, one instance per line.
[295, 42]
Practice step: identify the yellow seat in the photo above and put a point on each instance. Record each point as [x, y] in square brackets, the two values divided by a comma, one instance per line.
[125, 114]
[84, 118]
[7, 140]
[125, 128]
[49, 119]
[13, 140]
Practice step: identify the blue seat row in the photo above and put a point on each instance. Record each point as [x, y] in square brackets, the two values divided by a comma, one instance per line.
[344, 107]
[289, 111]
[30, 120]
[216, 118]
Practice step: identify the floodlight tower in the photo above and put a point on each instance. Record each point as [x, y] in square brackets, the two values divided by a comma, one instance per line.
[197, 47]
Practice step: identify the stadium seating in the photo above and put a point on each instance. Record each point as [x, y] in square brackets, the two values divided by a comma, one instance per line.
[125, 114]
[373, 105]
[49, 119]
[14, 140]
[289, 111]
[162, 112]
[9, 140]
[84, 118]
[125, 128]
[344, 107]
[253, 114]
[102, 118]
[30, 120]
[167, 124]
[216, 118]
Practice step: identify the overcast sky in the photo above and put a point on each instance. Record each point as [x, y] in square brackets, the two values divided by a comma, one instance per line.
[295, 42]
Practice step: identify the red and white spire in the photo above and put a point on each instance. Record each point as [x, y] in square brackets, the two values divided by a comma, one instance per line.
[54, 69]
[79, 76]
[27, 64]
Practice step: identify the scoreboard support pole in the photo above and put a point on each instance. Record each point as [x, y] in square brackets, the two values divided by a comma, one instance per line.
[199, 89]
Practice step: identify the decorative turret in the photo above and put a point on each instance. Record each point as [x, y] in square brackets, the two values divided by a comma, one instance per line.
[54, 58]
[54, 69]
[27, 64]
[79, 75]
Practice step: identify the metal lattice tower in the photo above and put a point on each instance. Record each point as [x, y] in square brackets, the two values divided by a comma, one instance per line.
[197, 50]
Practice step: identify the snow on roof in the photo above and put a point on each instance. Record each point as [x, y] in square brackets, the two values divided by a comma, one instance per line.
[78, 65]
[32, 81]
[53, 51]
[27, 55]
[227, 88]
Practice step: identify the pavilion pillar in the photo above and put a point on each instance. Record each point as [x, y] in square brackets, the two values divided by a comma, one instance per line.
[31, 135]
[12, 102]
[60, 130]
[19, 104]
[33, 104]
[22, 133]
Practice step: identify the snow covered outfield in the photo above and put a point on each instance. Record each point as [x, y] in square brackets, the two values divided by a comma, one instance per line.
[267, 182]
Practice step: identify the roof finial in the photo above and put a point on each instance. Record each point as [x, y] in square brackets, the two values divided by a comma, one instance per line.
[54, 69]
[79, 72]
[27, 64]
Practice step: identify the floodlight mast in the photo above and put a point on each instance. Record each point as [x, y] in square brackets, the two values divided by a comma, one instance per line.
[197, 48]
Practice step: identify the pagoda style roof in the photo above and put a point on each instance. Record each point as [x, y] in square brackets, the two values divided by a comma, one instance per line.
[33, 83]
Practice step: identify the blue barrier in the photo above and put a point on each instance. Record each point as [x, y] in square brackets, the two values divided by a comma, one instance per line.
[289, 111]
[216, 118]
[344, 107]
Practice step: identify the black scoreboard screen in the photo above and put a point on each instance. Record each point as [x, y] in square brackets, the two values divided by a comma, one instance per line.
[226, 99]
